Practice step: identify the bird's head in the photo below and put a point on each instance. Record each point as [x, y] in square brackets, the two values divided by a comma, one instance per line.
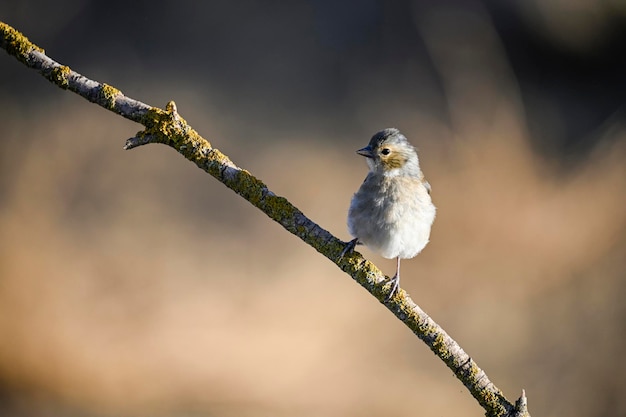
[390, 153]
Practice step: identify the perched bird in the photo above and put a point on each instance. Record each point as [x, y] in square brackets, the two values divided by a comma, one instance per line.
[392, 212]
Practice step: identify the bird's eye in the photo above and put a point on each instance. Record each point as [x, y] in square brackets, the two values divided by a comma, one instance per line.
[385, 151]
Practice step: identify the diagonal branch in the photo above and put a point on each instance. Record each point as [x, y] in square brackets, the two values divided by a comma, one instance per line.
[168, 127]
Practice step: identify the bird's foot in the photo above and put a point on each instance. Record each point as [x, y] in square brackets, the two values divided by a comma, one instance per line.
[395, 285]
[348, 248]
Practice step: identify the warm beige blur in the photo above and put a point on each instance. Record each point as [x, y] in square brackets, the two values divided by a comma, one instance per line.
[134, 283]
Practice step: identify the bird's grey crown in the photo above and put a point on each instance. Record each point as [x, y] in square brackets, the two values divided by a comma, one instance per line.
[389, 135]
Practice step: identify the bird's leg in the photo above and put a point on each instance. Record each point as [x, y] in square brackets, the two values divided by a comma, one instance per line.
[349, 248]
[395, 281]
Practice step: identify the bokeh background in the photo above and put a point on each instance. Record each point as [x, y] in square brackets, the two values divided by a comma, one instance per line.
[133, 284]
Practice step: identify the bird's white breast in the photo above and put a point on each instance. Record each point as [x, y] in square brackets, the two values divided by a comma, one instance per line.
[392, 216]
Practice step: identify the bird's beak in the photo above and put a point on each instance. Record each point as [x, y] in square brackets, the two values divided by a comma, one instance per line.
[366, 152]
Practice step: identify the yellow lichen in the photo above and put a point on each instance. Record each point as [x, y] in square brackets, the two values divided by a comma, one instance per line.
[108, 95]
[17, 44]
[59, 76]
[170, 107]
[250, 187]
[280, 207]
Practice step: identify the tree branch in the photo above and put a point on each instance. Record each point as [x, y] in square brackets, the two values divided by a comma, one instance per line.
[168, 127]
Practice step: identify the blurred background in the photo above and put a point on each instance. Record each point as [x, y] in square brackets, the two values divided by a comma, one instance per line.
[133, 284]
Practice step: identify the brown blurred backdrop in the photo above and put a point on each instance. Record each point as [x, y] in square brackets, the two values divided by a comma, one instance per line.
[133, 284]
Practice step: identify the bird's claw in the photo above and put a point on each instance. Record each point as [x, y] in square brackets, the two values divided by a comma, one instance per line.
[348, 248]
[394, 281]
[395, 284]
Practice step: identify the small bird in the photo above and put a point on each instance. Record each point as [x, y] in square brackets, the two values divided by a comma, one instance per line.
[392, 212]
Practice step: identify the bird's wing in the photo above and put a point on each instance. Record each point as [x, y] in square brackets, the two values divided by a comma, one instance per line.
[427, 185]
